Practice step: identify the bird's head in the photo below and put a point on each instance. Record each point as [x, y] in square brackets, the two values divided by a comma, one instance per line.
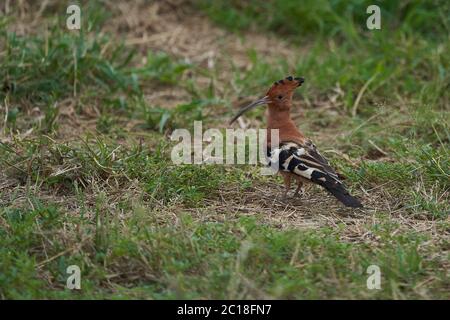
[279, 96]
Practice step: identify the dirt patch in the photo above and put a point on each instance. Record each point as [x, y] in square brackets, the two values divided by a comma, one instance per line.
[172, 27]
[312, 210]
[176, 28]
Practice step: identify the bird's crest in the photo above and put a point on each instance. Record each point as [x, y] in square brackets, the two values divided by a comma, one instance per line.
[280, 93]
[286, 85]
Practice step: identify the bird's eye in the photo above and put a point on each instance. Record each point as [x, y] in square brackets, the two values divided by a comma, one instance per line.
[280, 97]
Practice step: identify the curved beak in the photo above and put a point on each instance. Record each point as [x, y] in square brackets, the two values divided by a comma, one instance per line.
[252, 105]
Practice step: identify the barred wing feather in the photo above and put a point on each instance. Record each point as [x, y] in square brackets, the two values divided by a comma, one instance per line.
[305, 161]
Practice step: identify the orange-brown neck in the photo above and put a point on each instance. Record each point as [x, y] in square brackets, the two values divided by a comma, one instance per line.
[280, 118]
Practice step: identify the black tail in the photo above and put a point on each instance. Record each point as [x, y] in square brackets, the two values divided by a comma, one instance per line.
[339, 191]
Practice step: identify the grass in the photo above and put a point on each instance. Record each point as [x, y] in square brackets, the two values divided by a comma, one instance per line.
[86, 175]
[328, 18]
[186, 260]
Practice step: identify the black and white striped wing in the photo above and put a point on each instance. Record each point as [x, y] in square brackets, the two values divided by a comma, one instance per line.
[305, 161]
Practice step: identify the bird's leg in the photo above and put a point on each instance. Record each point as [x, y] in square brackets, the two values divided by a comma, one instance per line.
[299, 187]
[287, 184]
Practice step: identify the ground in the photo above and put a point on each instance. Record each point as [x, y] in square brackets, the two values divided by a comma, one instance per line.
[86, 177]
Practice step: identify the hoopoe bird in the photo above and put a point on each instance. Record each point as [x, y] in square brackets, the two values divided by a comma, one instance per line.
[296, 157]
